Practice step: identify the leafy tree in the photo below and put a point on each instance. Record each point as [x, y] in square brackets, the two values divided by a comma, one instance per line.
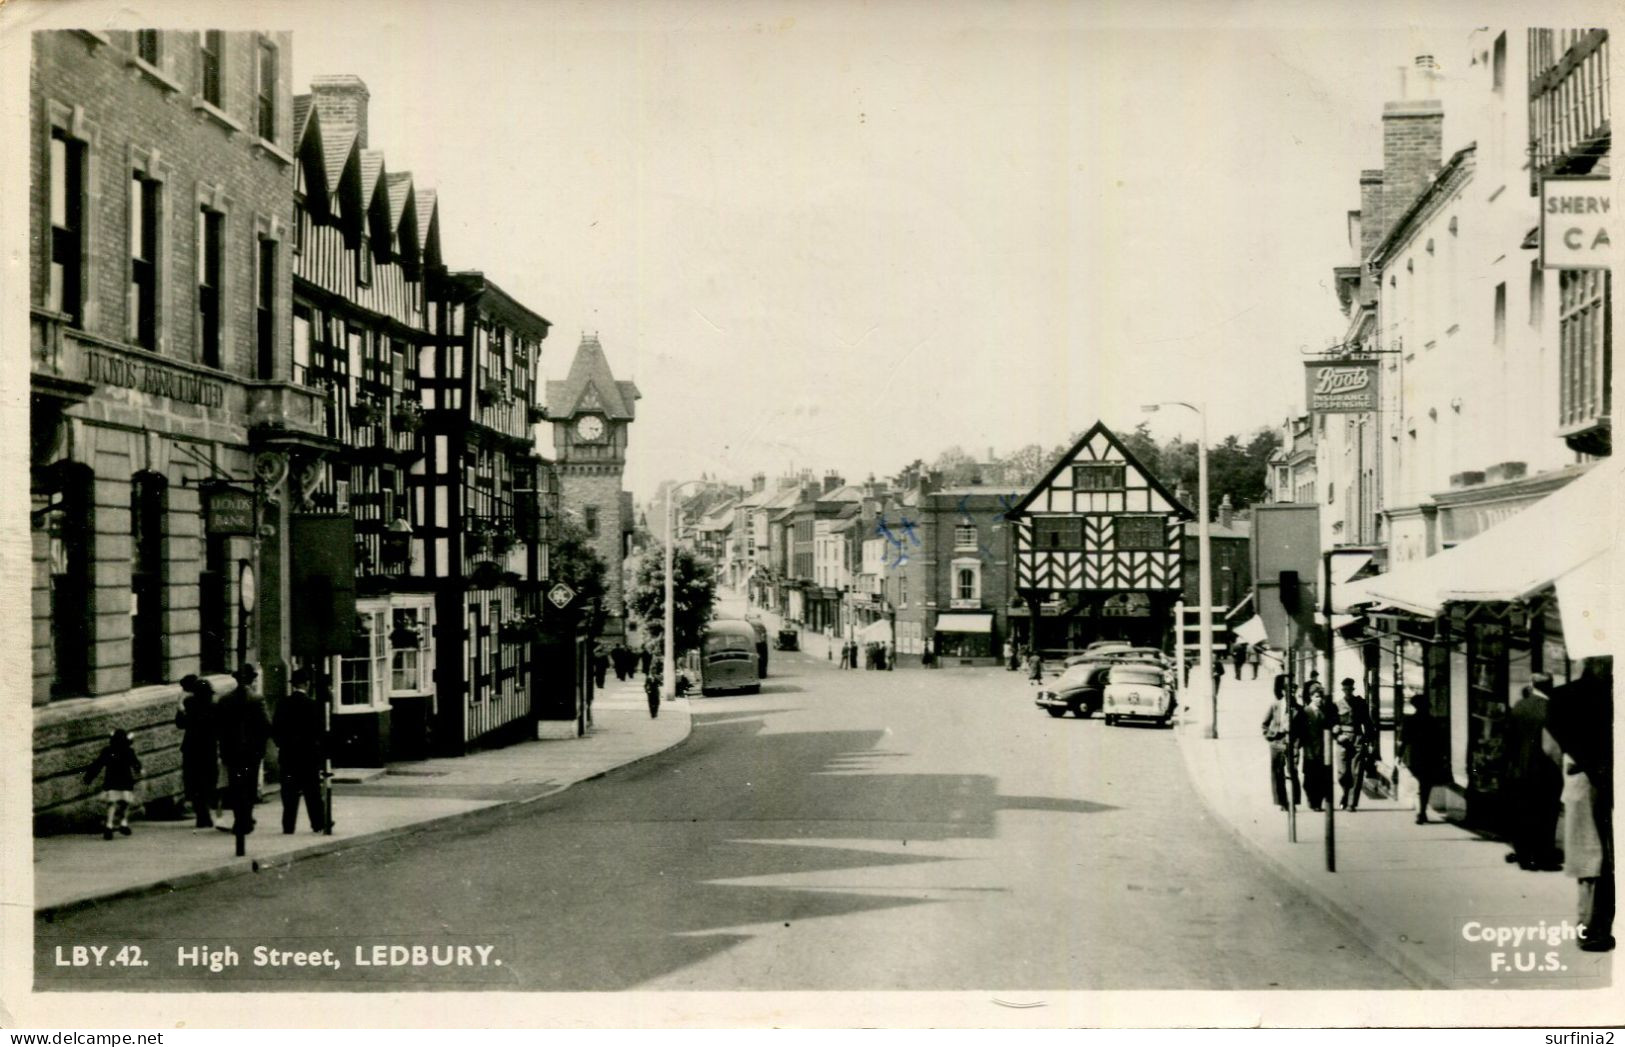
[573, 561]
[1026, 466]
[1142, 446]
[694, 592]
[956, 466]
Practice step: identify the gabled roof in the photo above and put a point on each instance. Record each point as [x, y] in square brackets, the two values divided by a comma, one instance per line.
[1067, 459]
[493, 301]
[591, 386]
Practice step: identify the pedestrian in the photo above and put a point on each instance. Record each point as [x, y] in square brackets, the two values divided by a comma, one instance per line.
[1218, 675]
[600, 667]
[1355, 734]
[1254, 656]
[889, 656]
[1534, 779]
[1580, 720]
[1318, 717]
[1035, 669]
[648, 658]
[243, 730]
[651, 691]
[846, 654]
[1422, 752]
[120, 768]
[1238, 657]
[1010, 655]
[200, 752]
[1312, 691]
[928, 657]
[299, 729]
[1283, 727]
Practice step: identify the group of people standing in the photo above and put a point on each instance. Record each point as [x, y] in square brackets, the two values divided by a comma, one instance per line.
[1297, 726]
[625, 661]
[874, 655]
[229, 733]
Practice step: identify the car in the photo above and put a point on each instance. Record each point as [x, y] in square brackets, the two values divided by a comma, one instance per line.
[787, 640]
[1098, 649]
[1077, 690]
[1138, 692]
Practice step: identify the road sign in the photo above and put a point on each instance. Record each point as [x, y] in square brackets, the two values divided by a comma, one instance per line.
[561, 595]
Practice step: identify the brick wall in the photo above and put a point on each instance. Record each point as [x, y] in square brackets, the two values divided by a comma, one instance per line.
[599, 485]
[1412, 152]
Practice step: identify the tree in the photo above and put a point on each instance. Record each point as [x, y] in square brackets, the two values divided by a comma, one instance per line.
[1142, 446]
[1027, 466]
[573, 561]
[694, 593]
[956, 466]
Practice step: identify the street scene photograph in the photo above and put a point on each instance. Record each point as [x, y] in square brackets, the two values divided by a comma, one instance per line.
[767, 511]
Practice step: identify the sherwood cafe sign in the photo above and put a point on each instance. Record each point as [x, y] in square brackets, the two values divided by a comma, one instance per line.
[1341, 387]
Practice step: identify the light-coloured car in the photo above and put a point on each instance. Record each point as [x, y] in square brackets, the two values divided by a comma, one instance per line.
[1138, 692]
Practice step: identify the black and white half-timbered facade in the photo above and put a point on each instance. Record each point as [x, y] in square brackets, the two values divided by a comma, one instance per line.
[1097, 550]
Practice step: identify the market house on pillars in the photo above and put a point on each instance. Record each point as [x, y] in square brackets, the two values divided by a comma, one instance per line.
[1097, 550]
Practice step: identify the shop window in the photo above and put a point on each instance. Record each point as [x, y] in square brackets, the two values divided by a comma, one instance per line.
[363, 671]
[63, 510]
[148, 498]
[210, 241]
[210, 47]
[143, 300]
[65, 293]
[1140, 533]
[412, 649]
[1097, 476]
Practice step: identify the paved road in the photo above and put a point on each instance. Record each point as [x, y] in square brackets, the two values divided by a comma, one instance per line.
[840, 831]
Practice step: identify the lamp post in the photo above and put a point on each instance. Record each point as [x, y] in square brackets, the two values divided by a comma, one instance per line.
[668, 680]
[1204, 580]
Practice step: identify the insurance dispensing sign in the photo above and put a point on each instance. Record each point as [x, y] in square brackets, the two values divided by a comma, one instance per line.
[1575, 214]
[1341, 386]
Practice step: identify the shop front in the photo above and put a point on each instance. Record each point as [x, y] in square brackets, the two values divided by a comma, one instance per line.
[965, 638]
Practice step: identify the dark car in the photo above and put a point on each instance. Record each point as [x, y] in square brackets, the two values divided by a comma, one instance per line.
[1078, 690]
[788, 640]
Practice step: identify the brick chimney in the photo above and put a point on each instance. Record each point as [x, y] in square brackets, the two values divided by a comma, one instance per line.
[1412, 142]
[758, 483]
[342, 97]
[1227, 513]
[832, 480]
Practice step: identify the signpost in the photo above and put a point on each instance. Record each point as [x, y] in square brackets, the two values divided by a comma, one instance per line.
[561, 595]
[228, 511]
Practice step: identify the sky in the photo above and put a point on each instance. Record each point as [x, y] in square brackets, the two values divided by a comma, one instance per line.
[842, 235]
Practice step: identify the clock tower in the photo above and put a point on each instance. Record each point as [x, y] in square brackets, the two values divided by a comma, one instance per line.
[591, 412]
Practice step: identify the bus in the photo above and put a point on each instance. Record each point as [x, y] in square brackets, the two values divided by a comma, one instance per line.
[728, 658]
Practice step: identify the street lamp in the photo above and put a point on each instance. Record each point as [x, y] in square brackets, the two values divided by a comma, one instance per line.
[1204, 582]
[668, 681]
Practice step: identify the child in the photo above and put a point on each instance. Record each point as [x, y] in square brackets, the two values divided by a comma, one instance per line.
[118, 759]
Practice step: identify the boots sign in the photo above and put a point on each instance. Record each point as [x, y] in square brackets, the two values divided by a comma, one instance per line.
[1574, 218]
[1341, 386]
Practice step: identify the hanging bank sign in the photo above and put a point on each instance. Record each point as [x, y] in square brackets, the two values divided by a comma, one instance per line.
[1574, 217]
[1341, 386]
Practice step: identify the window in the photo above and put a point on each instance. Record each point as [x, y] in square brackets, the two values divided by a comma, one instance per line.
[1498, 64]
[210, 46]
[147, 503]
[299, 226]
[1584, 393]
[1500, 315]
[265, 120]
[1097, 476]
[210, 233]
[146, 45]
[362, 671]
[965, 537]
[301, 344]
[1140, 533]
[965, 584]
[902, 590]
[63, 509]
[363, 262]
[65, 293]
[1058, 532]
[264, 310]
[409, 639]
[591, 514]
[143, 325]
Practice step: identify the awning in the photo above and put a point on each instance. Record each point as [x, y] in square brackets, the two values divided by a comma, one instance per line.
[1566, 539]
[964, 623]
[1344, 567]
[1251, 631]
[875, 632]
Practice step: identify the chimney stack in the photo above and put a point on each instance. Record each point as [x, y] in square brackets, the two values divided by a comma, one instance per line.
[342, 98]
[1227, 512]
[758, 482]
[1412, 143]
[832, 480]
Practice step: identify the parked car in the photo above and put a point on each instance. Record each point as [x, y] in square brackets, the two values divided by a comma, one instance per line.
[1138, 692]
[787, 640]
[1077, 690]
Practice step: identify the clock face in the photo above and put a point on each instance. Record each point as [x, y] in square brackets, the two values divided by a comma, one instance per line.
[590, 428]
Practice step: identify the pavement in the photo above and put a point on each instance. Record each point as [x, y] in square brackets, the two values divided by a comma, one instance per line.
[1412, 893]
[72, 871]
